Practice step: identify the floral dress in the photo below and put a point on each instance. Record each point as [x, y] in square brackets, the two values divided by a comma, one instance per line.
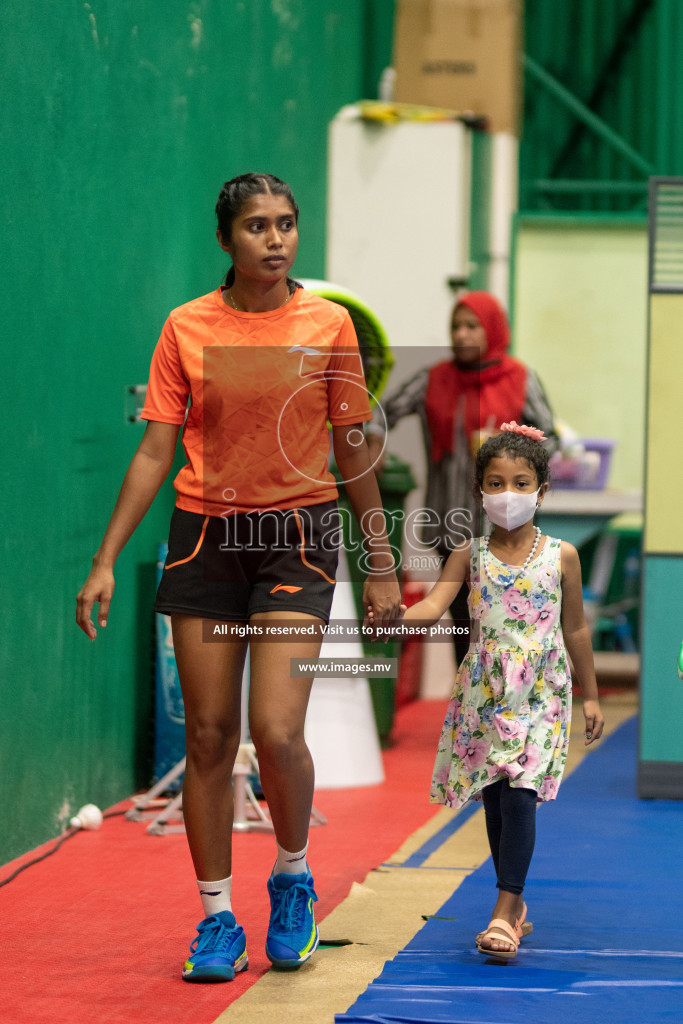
[510, 712]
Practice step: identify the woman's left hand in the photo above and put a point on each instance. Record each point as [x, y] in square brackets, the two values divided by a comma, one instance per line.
[384, 597]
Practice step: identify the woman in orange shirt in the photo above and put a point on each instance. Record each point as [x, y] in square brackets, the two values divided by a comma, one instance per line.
[252, 545]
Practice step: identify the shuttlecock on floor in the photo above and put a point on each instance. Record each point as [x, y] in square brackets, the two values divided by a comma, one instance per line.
[89, 817]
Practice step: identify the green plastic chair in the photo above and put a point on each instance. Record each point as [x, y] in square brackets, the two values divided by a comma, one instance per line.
[375, 350]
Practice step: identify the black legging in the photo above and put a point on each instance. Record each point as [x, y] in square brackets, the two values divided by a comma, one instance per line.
[511, 828]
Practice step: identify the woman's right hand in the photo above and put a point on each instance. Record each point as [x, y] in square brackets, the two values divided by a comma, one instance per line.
[98, 588]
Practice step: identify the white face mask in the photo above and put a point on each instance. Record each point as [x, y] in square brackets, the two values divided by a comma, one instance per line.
[510, 509]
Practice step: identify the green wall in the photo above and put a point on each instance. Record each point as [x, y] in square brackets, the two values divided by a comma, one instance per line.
[119, 124]
[621, 59]
[660, 772]
[661, 691]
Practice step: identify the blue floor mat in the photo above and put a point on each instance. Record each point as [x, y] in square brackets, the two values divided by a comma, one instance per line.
[605, 894]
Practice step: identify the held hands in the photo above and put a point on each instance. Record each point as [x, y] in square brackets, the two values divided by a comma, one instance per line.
[382, 601]
[383, 597]
[98, 588]
[371, 621]
[595, 722]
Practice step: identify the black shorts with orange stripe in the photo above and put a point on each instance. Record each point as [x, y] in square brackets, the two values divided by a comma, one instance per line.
[231, 568]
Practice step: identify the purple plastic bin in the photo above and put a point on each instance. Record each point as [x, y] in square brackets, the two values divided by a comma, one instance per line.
[567, 474]
[563, 472]
[603, 446]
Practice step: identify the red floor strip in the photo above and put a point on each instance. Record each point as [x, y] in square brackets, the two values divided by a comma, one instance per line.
[98, 932]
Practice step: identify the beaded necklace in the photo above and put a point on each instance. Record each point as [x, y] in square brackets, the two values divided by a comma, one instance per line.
[521, 569]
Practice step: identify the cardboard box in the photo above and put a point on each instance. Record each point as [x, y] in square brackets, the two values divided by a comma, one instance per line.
[461, 54]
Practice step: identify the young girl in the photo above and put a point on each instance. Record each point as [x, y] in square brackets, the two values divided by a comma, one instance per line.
[506, 732]
[265, 365]
[460, 401]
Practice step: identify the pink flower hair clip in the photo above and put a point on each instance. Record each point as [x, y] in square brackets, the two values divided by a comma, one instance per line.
[517, 428]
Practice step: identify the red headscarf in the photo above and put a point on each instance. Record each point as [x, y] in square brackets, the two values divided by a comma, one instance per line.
[491, 393]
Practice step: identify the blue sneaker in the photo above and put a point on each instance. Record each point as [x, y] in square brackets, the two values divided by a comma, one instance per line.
[219, 951]
[292, 932]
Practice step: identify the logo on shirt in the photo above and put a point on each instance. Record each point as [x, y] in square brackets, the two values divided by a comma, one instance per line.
[282, 586]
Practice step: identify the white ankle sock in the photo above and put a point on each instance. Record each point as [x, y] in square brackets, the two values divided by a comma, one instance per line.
[215, 895]
[290, 863]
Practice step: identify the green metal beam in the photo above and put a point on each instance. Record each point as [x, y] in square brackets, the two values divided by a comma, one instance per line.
[582, 218]
[591, 120]
[578, 186]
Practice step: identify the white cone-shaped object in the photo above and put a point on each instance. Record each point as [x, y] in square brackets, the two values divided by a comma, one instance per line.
[89, 817]
[340, 724]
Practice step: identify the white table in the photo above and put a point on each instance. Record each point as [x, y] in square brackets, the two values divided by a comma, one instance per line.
[576, 516]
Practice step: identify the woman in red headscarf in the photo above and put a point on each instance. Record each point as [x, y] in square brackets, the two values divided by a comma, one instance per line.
[460, 402]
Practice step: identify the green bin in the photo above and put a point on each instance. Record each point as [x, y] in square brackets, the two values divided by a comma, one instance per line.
[395, 482]
[620, 631]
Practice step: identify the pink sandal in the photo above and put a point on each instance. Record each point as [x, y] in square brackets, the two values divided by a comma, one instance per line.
[522, 926]
[501, 930]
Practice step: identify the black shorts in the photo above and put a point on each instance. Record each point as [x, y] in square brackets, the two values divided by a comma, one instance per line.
[231, 568]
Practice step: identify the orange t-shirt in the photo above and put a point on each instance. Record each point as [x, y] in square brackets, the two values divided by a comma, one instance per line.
[262, 387]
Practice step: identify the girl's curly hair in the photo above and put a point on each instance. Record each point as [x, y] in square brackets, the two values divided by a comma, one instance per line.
[515, 446]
